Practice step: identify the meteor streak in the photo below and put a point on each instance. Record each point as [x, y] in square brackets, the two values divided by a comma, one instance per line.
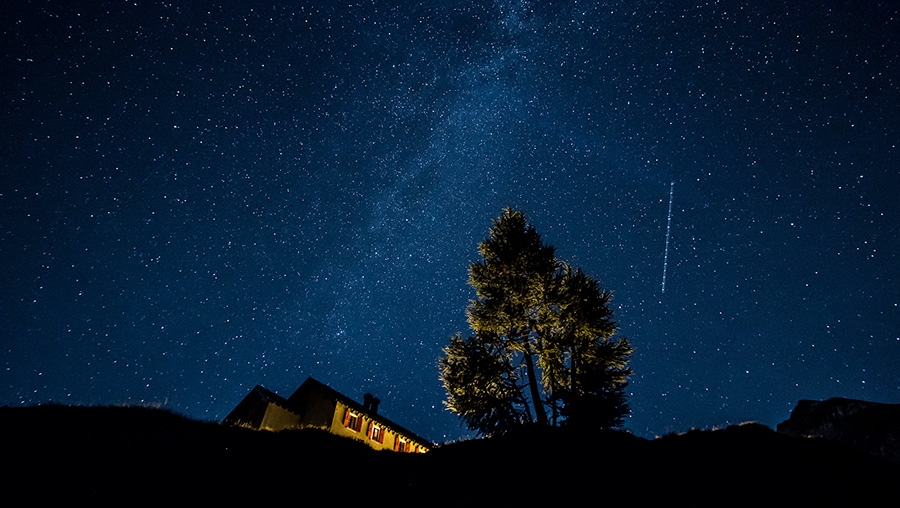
[668, 230]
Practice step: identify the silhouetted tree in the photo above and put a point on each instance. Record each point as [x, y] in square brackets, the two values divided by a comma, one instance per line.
[543, 338]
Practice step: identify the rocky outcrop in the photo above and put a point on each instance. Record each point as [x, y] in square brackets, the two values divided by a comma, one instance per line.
[871, 427]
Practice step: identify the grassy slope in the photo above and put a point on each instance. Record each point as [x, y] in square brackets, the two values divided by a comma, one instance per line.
[111, 454]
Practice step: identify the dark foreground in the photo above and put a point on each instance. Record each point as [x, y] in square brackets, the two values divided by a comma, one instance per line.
[111, 455]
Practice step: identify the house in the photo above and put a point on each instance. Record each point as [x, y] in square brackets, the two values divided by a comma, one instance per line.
[315, 404]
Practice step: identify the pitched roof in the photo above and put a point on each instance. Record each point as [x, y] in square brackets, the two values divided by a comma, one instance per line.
[249, 410]
[312, 383]
[270, 396]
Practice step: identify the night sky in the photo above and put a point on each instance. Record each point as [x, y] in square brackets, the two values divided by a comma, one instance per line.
[196, 200]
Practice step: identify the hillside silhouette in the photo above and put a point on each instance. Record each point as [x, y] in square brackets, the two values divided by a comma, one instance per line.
[113, 454]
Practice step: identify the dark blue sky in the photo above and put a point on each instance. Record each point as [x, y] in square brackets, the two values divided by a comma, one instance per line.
[196, 200]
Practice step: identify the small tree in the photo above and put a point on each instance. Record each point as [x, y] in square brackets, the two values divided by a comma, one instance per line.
[543, 338]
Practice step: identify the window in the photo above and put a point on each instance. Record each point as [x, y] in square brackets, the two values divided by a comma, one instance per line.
[352, 421]
[401, 444]
[376, 432]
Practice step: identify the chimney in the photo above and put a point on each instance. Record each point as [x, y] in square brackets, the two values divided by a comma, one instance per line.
[375, 402]
[367, 401]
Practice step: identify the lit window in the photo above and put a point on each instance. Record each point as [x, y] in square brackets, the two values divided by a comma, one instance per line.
[376, 432]
[401, 444]
[352, 421]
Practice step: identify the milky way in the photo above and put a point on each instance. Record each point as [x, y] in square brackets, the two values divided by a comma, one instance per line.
[196, 200]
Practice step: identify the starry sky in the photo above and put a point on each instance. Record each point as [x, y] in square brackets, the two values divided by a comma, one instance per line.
[198, 199]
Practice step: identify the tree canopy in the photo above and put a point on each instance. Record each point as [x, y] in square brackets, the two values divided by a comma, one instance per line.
[543, 347]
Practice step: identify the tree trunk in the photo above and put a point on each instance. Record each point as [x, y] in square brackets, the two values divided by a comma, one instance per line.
[539, 411]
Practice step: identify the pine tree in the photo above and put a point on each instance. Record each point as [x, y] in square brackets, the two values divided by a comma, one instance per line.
[585, 366]
[543, 338]
[480, 387]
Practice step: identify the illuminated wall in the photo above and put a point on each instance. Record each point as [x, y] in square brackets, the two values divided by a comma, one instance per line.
[278, 418]
[355, 424]
[317, 405]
